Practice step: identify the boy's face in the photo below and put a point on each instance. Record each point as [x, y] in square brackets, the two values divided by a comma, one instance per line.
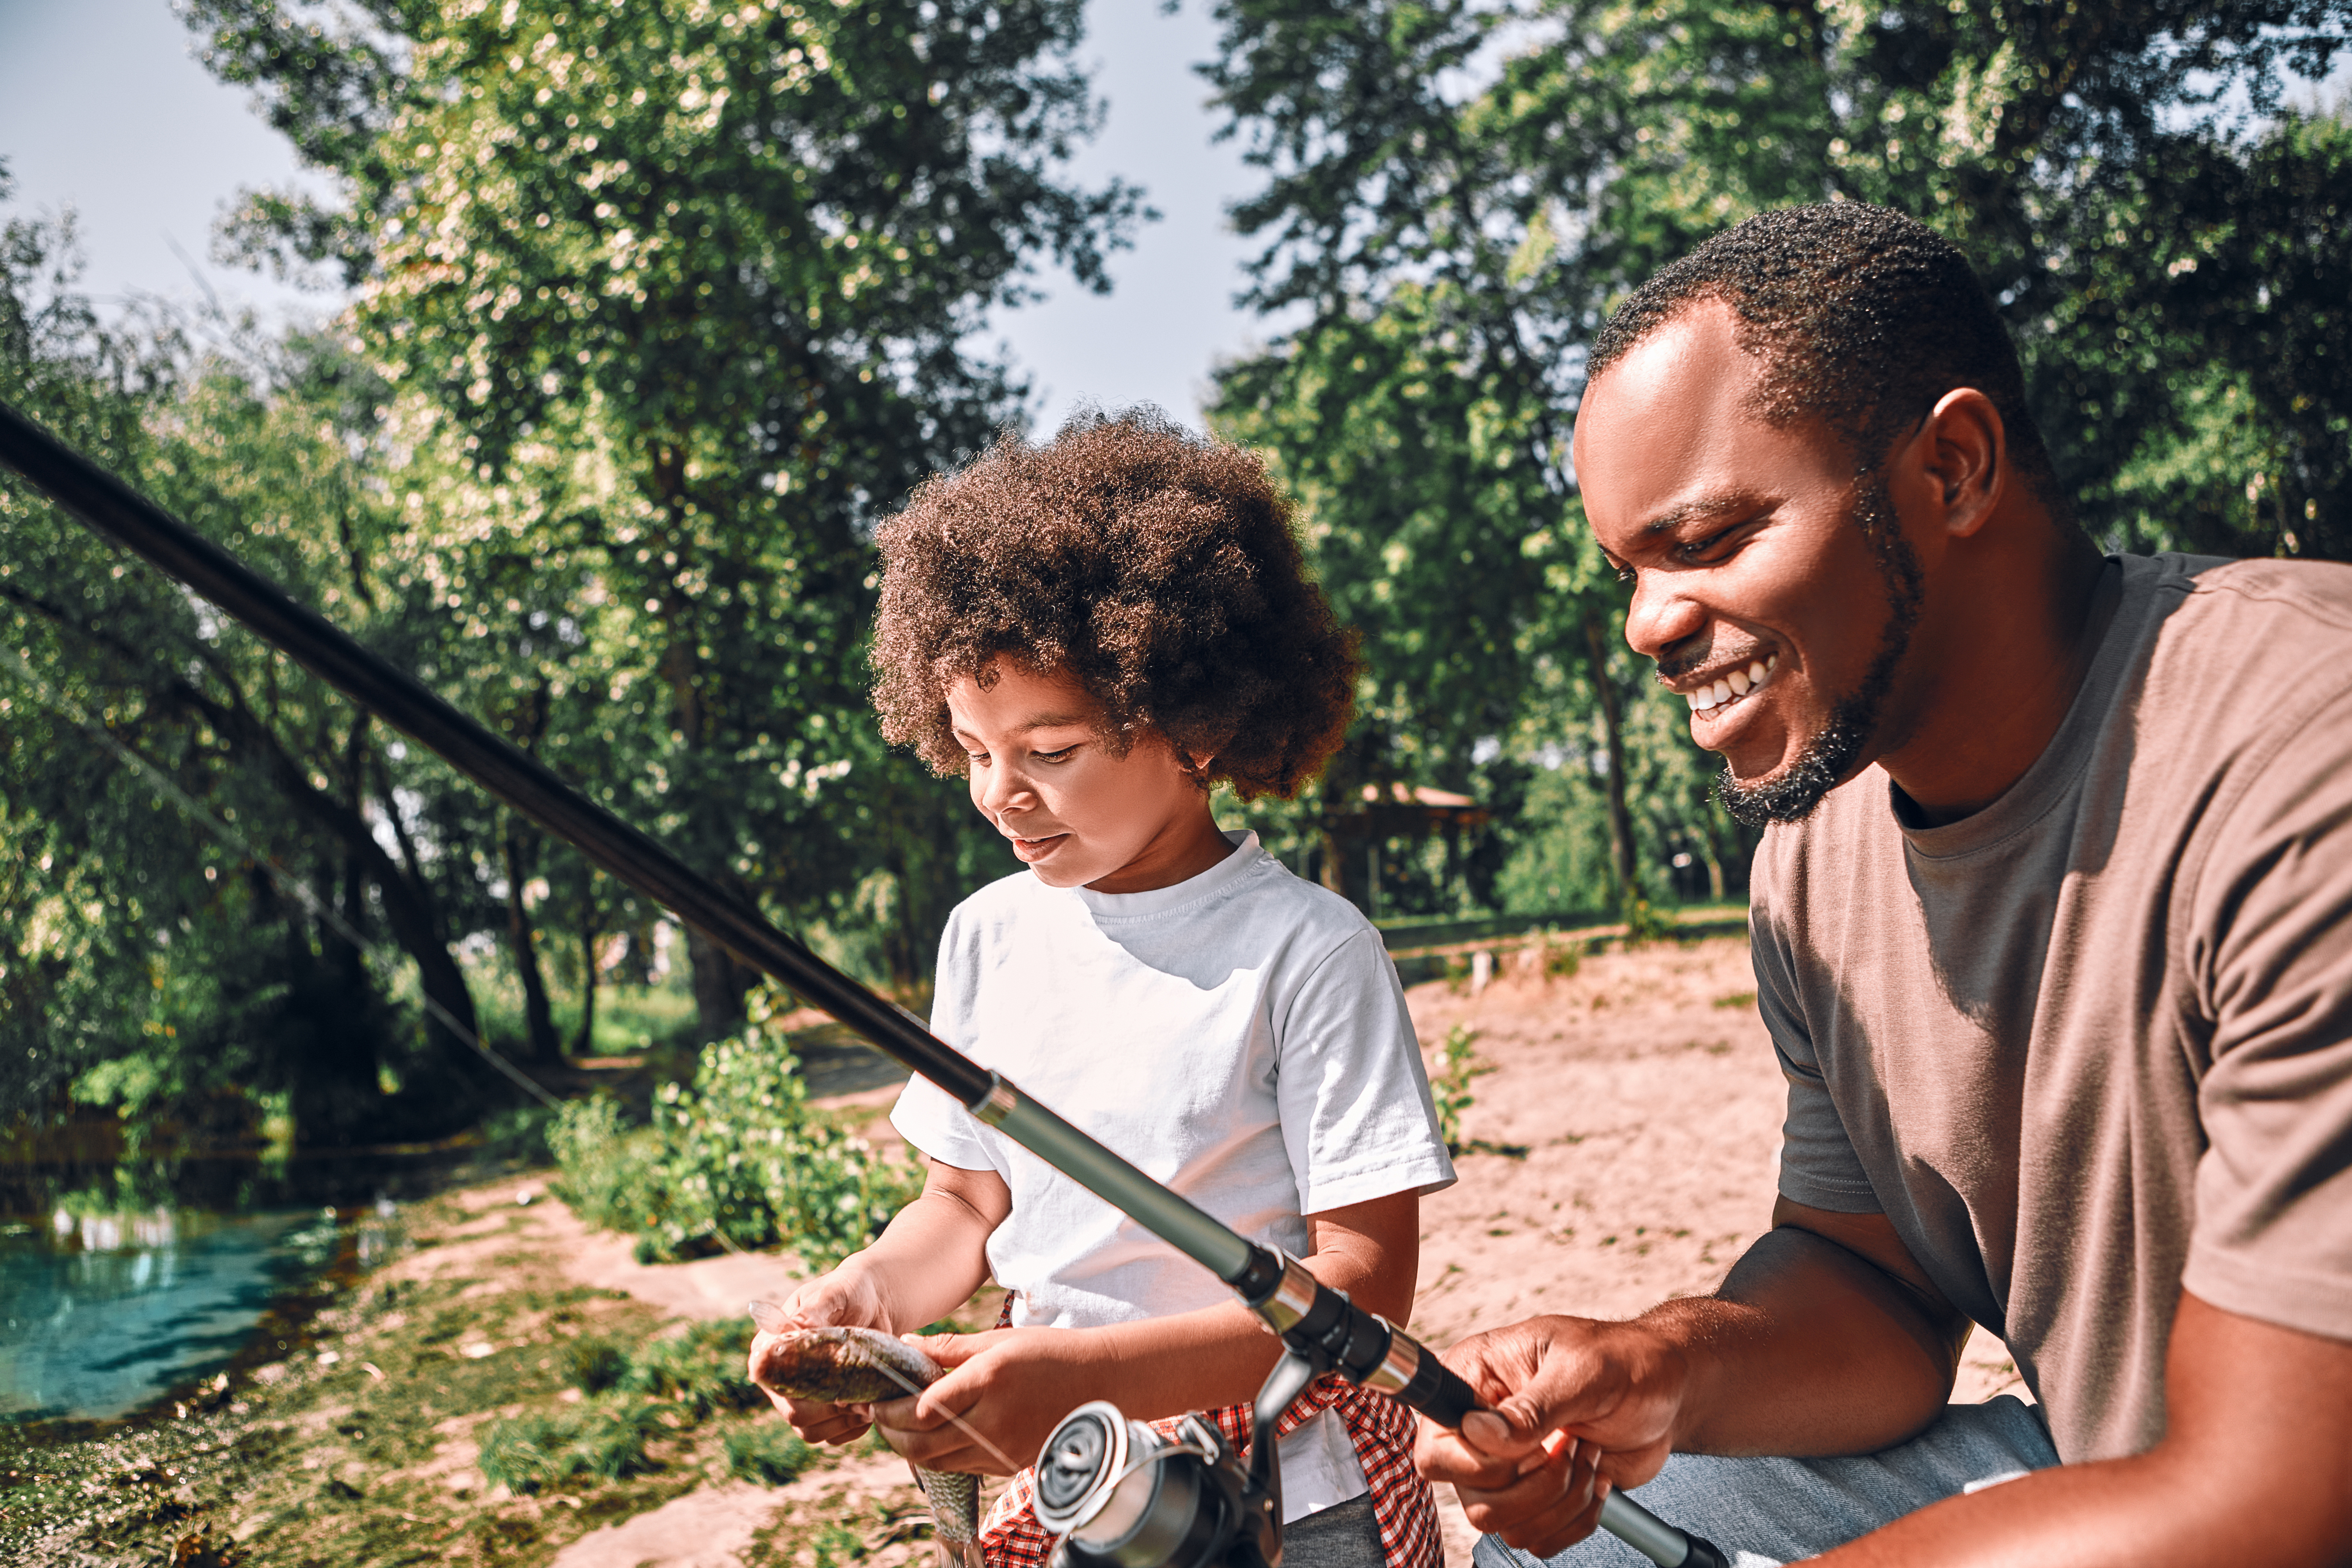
[1040, 771]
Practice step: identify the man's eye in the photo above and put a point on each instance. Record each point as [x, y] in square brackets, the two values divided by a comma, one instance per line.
[1714, 547]
[1624, 573]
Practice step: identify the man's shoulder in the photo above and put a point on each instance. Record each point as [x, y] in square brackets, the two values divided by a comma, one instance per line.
[2280, 606]
[2248, 651]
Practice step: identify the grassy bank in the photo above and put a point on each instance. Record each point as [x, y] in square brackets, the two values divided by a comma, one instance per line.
[467, 1401]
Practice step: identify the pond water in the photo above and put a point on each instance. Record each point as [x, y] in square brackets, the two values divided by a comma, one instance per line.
[103, 1314]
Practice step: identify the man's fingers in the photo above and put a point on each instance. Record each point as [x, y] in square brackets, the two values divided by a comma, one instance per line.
[1550, 1508]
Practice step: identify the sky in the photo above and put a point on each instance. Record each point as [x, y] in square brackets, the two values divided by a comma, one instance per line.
[105, 109]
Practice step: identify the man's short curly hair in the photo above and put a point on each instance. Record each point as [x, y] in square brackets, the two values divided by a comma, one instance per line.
[1862, 318]
[1157, 570]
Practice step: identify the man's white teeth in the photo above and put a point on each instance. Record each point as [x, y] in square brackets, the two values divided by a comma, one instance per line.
[1738, 683]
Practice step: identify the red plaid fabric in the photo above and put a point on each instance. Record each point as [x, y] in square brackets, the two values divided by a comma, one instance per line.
[1382, 1429]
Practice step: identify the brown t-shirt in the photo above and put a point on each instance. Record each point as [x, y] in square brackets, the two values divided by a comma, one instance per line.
[2094, 1043]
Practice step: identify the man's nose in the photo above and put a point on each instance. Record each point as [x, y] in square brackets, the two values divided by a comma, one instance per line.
[1660, 616]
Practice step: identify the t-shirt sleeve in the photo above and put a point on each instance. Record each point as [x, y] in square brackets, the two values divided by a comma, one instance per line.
[926, 1115]
[1357, 1116]
[1818, 1167]
[2270, 934]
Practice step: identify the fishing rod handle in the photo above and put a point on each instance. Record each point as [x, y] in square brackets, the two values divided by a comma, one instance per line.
[1656, 1540]
[1320, 1322]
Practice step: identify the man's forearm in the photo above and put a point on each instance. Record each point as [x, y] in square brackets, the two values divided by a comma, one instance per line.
[1808, 1348]
[2255, 1467]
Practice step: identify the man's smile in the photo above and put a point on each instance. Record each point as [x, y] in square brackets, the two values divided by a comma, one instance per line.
[1731, 685]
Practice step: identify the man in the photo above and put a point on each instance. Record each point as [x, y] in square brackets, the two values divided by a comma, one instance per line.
[2053, 932]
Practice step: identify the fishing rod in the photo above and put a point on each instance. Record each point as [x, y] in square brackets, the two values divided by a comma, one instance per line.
[1321, 1330]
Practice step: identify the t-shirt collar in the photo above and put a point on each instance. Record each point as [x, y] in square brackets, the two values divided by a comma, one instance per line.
[1158, 900]
[2046, 783]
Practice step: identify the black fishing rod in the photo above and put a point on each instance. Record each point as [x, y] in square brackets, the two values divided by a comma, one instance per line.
[1319, 1326]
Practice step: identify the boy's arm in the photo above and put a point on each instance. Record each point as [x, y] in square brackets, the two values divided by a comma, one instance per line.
[925, 1263]
[1009, 1389]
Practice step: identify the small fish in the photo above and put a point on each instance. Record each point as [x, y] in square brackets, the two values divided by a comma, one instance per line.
[860, 1366]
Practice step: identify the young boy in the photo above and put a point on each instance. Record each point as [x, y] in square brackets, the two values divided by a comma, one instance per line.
[1097, 631]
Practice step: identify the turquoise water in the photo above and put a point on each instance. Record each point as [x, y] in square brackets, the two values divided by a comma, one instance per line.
[102, 1314]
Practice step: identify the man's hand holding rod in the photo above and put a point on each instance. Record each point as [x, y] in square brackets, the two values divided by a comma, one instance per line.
[1825, 1338]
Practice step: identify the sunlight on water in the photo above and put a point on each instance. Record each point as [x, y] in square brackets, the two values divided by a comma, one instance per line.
[101, 1313]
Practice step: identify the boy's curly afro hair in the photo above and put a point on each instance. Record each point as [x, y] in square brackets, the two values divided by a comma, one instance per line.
[1157, 569]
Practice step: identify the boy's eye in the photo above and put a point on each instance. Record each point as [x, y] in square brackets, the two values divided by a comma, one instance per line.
[1062, 755]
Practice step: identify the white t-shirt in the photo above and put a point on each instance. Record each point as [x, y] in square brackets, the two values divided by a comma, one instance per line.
[1241, 1037]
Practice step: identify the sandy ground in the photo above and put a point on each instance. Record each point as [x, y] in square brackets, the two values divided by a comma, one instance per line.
[1621, 1150]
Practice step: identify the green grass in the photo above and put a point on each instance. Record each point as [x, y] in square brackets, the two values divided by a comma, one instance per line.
[606, 1439]
[769, 1453]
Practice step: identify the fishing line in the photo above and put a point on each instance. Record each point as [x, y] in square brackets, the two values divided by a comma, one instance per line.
[71, 712]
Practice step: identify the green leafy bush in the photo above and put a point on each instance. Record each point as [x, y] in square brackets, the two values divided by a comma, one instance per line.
[738, 1160]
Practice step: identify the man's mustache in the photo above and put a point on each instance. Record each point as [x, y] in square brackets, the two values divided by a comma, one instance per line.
[1703, 650]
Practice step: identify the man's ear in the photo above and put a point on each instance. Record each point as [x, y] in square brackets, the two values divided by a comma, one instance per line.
[1964, 455]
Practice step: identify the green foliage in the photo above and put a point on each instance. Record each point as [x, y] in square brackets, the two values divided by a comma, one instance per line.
[605, 1437]
[768, 1453]
[698, 1371]
[740, 1159]
[1645, 924]
[593, 1366]
[658, 311]
[1451, 1068]
[671, 304]
[608, 1168]
[1456, 192]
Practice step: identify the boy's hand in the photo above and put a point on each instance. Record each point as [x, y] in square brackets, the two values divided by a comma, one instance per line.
[1005, 1393]
[844, 1298]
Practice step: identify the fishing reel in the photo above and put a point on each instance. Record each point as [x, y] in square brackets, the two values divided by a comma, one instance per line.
[1120, 1495]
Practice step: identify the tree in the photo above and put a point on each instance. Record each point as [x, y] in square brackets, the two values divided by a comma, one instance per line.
[672, 302]
[144, 963]
[1470, 188]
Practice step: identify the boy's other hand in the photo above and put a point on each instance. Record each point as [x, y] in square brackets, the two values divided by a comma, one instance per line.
[844, 1298]
[1005, 1393]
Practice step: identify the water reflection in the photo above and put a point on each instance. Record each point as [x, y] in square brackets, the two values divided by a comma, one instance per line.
[103, 1314]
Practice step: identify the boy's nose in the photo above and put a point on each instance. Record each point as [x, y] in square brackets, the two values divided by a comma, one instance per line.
[1005, 791]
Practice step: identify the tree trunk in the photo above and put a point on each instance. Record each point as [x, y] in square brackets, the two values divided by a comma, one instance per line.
[451, 1026]
[539, 1018]
[721, 984]
[585, 1044]
[1621, 818]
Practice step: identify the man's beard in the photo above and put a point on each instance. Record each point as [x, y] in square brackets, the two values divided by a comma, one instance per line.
[1830, 754]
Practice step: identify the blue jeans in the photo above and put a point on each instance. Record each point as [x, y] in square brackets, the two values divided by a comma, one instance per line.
[1763, 1513]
